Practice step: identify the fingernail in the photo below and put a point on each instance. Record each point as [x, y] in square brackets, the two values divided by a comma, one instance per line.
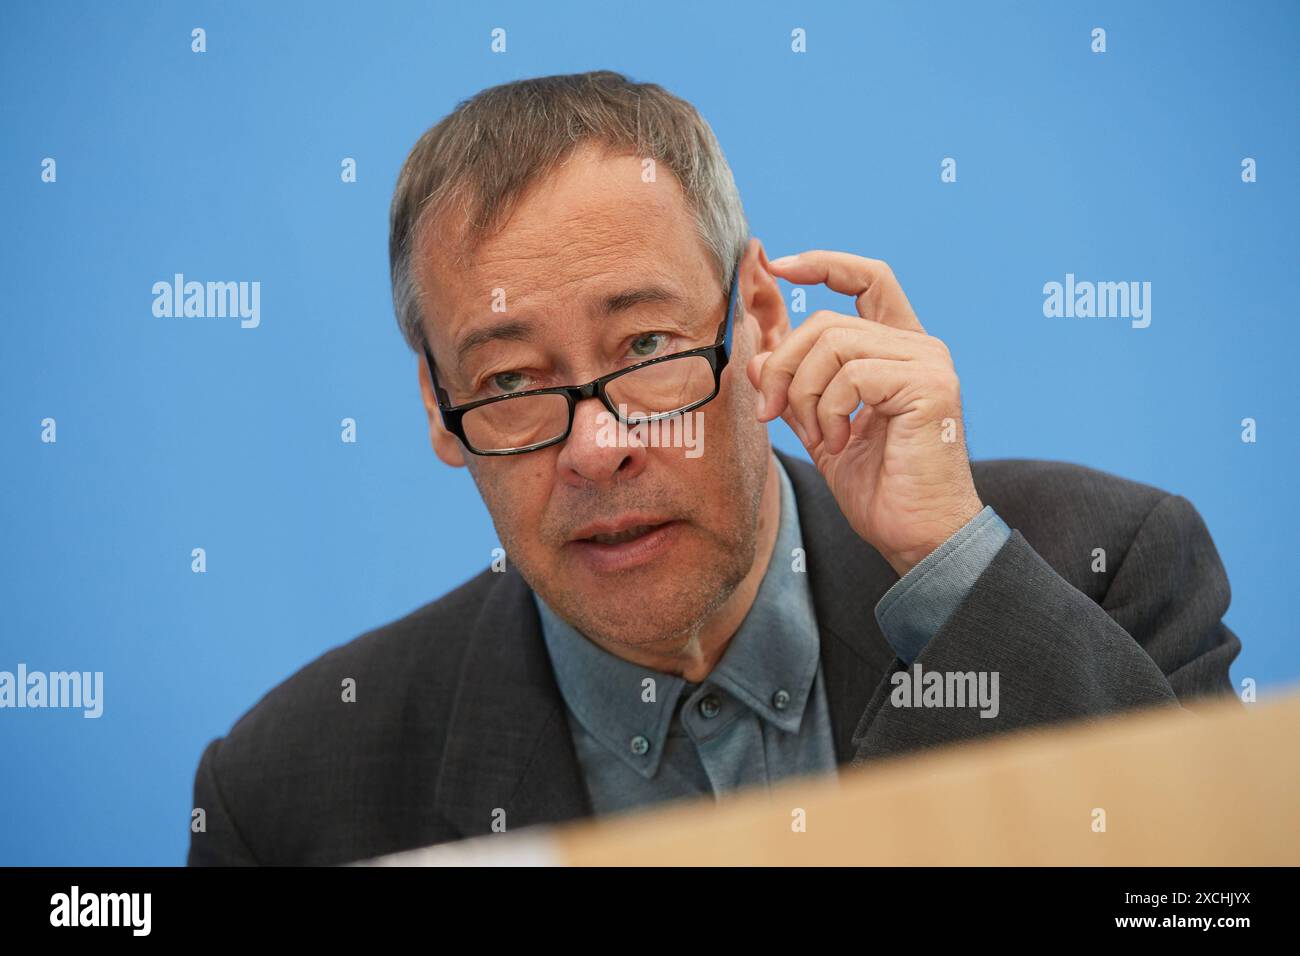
[784, 261]
[762, 405]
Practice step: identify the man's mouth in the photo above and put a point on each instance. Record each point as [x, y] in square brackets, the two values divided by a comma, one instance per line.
[624, 543]
[628, 527]
[618, 537]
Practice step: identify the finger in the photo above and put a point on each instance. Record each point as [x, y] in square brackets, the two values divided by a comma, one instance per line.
[837, 345]
[871, 382]
[779, 369]
[754, 369]
[861, 426]
[788, 417]
[876, 291]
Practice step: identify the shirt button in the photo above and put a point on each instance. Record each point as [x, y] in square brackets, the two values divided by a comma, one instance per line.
[640, 746]
[781, 699]
[710, 706]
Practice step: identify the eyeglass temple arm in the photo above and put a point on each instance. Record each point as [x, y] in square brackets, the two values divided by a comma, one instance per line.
[440, 393]
[728, 320]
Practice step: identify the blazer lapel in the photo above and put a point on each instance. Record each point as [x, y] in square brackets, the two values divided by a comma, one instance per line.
[509, 749]
[848, 578]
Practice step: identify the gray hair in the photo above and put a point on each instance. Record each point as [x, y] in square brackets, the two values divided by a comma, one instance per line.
[480, 159]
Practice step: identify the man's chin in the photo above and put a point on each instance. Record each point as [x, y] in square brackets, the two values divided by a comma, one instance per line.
[639, 621]
[657, 599]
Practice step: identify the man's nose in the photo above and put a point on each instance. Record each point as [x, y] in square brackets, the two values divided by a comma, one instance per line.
[599, 450]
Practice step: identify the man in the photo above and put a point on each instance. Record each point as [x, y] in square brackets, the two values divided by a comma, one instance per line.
[572, 265]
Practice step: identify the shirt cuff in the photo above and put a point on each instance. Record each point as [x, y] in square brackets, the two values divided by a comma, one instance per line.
[913, 610]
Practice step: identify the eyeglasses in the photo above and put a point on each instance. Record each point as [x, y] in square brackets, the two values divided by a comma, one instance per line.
[648, 391]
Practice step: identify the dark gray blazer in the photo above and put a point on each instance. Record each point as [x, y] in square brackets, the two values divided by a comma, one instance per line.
[457, 712]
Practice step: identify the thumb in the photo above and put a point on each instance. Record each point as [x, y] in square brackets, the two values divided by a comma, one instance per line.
[755, 367]
[755, 371]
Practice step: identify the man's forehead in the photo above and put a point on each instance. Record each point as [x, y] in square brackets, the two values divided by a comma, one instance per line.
[537, 257]
[595, 215]
[575, 274]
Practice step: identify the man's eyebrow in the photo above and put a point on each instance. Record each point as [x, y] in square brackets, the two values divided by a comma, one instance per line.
[513, 331]
[621, 301]
[516, 331]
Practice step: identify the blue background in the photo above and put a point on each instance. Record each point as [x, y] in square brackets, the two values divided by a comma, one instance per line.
[183, 433]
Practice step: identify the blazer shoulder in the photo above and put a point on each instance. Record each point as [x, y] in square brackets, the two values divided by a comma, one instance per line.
[410, 662]
[1037, 487]
[1068, 511]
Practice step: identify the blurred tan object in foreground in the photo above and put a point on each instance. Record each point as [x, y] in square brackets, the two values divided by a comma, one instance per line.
[1219, 787]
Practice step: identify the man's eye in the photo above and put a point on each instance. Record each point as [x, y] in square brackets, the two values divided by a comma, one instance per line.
[509, 381]
[644, 346]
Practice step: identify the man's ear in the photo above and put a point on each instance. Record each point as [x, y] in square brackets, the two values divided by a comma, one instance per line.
[763, 300]
[445, 445]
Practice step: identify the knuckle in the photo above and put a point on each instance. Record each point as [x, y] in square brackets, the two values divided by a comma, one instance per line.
[838, 336]
[947, 386]
[939, 347]
[858, 369]
[772, 370]
[798, 398]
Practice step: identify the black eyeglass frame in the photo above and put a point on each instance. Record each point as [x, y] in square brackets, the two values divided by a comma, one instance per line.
[717, 355]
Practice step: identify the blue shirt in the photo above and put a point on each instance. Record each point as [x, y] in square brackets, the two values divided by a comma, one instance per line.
[643, 736]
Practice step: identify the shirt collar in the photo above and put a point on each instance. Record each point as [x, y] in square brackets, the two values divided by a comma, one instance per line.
[769, 664]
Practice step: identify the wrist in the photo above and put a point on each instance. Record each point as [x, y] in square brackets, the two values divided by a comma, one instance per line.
[904, 560]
